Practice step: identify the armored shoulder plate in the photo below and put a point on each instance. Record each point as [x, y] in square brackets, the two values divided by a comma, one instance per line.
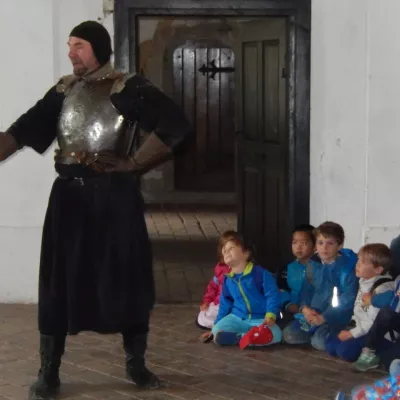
[65, 83]
[120, 82]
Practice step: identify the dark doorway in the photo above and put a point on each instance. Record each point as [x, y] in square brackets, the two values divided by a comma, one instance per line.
[262, 146]
[203, 84]
[272, 109]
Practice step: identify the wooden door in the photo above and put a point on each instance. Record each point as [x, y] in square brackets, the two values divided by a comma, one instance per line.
[204, 86]
[262, 141]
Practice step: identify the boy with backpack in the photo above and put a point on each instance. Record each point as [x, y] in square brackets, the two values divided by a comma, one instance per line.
[385, 329]
[374, 261]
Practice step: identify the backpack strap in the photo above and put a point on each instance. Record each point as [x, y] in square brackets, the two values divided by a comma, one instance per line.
[379, 282]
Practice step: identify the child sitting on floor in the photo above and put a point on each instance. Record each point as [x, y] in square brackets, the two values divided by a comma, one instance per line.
[250, 298]
[303, 245]
[332, 270]
[210, 305]
[373, 263]
[385, 329]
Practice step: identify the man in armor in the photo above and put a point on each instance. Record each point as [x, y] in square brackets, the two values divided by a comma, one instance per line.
[96, 261]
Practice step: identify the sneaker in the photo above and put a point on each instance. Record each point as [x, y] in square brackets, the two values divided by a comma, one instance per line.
[367, 360]
[226, 338]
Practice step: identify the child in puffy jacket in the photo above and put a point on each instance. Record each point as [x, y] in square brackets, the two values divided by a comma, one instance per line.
[249, 299]
[329, 278]
[382, 342]
[374, 261]
[210, 304]
[290, 279]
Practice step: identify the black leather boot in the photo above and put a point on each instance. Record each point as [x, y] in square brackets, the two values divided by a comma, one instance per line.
[135, 348]
[47, 385]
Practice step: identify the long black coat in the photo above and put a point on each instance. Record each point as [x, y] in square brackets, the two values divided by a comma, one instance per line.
[96, 261]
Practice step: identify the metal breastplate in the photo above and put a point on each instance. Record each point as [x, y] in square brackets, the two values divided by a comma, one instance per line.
[89, 122]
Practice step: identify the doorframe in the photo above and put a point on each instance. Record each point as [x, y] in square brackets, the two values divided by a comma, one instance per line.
[298, 12]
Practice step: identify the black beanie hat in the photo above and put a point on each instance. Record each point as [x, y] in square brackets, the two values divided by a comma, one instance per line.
[97, 36]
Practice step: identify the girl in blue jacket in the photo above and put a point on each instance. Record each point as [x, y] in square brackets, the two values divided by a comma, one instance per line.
[250, 297]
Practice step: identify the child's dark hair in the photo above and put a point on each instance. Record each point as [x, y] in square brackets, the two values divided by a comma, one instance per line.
[378, 254]
[332, 229]
[306, 228]
[233, 236]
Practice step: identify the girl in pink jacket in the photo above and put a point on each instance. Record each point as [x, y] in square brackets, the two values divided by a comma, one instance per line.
[210, 305]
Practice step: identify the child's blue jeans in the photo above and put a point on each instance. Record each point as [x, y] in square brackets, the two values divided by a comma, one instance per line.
[293, 334]
[350, 350]
[232, 323]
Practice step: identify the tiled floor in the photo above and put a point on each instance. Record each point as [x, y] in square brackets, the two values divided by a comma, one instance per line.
[93, 367]
[184, 243]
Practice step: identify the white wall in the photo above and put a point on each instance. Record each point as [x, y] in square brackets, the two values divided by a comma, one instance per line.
[355, 117]
[33, 37]
[27, 70]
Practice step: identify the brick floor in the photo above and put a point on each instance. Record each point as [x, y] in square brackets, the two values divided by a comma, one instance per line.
[93, 365]
[184, 242]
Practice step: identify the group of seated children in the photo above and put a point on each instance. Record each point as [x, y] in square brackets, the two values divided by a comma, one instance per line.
[339, 302]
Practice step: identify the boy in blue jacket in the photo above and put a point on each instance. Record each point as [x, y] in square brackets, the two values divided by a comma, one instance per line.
[249, 298]
[291, 279]
[328, 292]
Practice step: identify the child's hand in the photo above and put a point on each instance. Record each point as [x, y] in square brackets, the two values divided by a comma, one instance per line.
[316, 319]
[269, 322]
[308, 313]
[366, 299]
[345, 335]
[204, 307]
[293, 308]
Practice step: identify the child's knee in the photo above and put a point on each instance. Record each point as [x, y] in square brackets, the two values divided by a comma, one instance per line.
[318, 341]
[289, 335]
[230, 323]
[293, 334]
[320, 337]
[347, 352]
[331, 345]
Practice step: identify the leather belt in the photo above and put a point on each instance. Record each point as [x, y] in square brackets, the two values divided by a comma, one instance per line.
[81, 157]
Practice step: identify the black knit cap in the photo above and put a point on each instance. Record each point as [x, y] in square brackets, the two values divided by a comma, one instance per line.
[97, 36]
